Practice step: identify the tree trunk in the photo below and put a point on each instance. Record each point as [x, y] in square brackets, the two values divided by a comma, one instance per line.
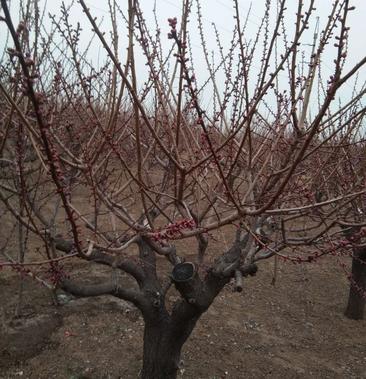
[163, 342]
[356, 301]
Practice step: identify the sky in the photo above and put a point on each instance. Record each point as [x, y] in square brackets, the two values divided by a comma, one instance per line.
[219, 12]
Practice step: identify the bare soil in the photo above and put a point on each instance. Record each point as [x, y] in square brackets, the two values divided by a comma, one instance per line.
[295, 329]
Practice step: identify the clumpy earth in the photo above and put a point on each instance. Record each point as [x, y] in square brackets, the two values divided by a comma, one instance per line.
[293, 329]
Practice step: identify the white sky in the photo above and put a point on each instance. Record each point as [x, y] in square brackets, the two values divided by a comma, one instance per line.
[221, 13]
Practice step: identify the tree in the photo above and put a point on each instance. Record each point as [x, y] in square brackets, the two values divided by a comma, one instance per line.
[348, 170]
[155, 167]
[356, 300]
[354, 162]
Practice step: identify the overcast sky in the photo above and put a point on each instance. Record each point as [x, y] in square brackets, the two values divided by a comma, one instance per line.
[221, 13]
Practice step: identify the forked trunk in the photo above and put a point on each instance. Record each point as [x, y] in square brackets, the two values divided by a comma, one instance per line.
[163, 343]
[356, 301]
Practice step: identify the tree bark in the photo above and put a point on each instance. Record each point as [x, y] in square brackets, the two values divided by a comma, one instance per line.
[357, 295]
[163, 342]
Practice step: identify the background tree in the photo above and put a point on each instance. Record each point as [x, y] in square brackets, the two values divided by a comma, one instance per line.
[348, 169]
[157, 167]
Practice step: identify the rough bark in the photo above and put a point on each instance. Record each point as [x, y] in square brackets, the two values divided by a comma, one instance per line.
[165, 333]
[163, 342]
[357, 295]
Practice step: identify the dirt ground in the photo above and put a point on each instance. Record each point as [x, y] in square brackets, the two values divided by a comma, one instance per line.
[295, 329]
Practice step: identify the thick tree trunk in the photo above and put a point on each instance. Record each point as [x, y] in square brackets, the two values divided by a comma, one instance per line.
[163, 342]
[356, 301]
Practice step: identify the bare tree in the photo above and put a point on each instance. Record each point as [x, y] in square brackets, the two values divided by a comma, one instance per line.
[105, 167]
[348, 170]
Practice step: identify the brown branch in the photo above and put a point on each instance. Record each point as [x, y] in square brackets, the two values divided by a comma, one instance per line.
[107, 288]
